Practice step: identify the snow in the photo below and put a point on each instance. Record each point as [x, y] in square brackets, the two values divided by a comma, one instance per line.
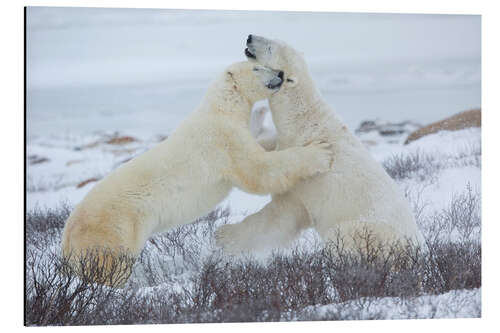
[453, 304]
[93, 74]
[434, 194]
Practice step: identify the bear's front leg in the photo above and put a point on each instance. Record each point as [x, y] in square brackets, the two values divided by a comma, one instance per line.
[256, 171]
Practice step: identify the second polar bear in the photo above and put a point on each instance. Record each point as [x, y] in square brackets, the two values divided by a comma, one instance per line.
[356, 196]
[186, 175]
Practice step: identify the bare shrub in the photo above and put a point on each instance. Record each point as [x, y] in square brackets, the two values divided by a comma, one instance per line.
[38, 220]
[462, 216]
[181, 278]
[56, 297]
[43, 226]
[100, 265]
[424, 166]
[418, 163]
[177, 251]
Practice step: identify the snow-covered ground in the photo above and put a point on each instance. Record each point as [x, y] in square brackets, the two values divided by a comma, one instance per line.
[455, 169]
[104, 85]
[70, 166]
[453, 304]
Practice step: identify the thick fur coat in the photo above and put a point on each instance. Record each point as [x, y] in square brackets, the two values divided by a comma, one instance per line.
[185, 176]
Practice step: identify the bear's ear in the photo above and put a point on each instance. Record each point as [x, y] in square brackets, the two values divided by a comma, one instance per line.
[292, 81]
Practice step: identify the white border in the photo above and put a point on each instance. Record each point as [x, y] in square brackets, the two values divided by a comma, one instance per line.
[12, 156]
[379, 6]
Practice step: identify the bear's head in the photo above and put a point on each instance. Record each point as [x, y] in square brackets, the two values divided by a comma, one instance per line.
[252, 81]
[277, 55]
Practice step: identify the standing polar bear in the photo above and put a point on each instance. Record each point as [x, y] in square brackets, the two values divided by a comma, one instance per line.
[356, 197]
[185, 176]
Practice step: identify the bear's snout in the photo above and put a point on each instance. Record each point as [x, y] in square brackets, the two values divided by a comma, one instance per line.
[250, 51]
[249, 54]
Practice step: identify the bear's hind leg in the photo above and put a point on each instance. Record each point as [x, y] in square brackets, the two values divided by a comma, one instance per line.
[274, 226]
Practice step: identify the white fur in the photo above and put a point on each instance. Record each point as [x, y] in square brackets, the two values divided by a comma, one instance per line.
[356, 196]
[186, 175]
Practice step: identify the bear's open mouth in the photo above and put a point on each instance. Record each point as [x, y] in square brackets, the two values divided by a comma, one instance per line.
[273, 86]
[250, 54]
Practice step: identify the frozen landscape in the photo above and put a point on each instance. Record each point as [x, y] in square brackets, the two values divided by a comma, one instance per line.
[106, 85]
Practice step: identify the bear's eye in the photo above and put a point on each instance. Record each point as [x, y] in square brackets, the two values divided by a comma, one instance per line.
[289, 80]
[255, 69]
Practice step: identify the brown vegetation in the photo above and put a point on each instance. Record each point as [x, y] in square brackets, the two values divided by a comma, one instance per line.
[85, 182]
[114, 139]
[35, 159]
[466, 119]
[71, 162]
[121, 140]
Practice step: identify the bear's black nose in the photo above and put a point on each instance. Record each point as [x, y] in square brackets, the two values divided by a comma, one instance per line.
[249, 39]
[280, 75]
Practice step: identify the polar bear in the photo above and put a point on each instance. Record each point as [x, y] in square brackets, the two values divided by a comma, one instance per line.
[186, 175]
[355, 198]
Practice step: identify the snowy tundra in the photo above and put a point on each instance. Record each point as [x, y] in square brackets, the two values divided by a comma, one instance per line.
[187, 175]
